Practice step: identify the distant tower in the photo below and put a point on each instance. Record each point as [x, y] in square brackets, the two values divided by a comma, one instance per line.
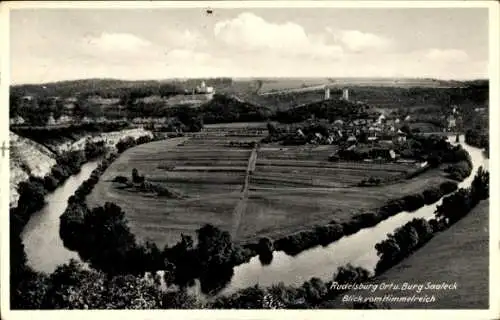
[345, 94]
[327, 93]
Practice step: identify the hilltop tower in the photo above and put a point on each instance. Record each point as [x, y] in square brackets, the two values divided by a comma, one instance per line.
[345, 94]
[327, 93]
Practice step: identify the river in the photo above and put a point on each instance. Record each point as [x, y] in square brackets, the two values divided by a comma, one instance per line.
[357, 249]
[42, 244]
[45, 250]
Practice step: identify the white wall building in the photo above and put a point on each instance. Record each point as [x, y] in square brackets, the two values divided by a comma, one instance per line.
[345, 94]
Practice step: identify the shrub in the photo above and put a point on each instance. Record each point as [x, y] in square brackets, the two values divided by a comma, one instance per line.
[121, 179]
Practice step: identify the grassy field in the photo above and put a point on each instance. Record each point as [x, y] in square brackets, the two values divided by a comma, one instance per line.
[459, 254]
[294, 188]
[291, 188]
[208, 174]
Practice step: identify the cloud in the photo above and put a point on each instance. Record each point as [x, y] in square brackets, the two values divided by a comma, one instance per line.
[116, 42]
[358, 41]
[186, 39]
[185, 56]
[249, 32]
[446, 55]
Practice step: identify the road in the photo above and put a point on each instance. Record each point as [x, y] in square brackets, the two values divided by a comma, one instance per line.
[240, 208]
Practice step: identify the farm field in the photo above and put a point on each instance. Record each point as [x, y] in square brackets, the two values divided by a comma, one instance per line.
[208, 174]
[294, 188]
[459, 254]
[290, 189]
[277, 84]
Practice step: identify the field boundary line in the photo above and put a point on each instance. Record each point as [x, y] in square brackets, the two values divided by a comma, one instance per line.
[242, 203]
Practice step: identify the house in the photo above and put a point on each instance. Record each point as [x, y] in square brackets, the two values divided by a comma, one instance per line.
[401, 136]
[381, 118]
[352, 147]
[204, 89]
[51, 121]
[17, 120]
[372, 138]
[452, 122]
[64, 120]
[392, 154]
[352, 139]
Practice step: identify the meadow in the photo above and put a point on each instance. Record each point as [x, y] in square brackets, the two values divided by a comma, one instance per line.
[294, 188]
[291, 188]
[465, 248]
[459, 254]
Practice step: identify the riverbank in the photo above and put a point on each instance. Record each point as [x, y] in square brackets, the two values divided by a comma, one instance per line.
[37, 210]
[30, 158]
[464, 248]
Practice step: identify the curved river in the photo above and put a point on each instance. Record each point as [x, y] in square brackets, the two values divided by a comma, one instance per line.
[45, 251]
[42, 244]
[357, 249]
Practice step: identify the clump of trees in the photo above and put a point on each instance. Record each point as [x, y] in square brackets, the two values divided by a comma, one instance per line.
[139, 183]
[477, 137]
[459, 171]
[326, 109]
[402, 243]
[94, 150]
[310, 295]
[223, 108]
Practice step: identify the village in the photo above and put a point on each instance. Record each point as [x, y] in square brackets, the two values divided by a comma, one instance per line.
[376, 137]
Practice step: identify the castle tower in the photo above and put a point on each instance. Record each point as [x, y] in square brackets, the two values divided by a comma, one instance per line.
[327, 93]
[345, 94]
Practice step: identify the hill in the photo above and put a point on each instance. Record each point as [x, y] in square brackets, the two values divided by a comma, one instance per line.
[27, 158]
[223, 109]
[326, 109]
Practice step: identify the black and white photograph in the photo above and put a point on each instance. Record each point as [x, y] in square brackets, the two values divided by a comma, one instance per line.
[261, 155]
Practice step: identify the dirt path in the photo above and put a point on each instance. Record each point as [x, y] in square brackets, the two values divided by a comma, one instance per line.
[240, 208]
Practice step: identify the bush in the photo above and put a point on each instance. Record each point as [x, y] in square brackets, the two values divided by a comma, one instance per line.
[432, 195]
[459, 171]
[95, 149]
[121, 179]
[413, 202]
[50, 183]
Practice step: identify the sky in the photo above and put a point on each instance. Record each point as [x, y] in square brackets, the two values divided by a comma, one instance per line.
[64, 44]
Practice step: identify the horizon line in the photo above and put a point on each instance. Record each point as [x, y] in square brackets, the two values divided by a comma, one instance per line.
[249, 78]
